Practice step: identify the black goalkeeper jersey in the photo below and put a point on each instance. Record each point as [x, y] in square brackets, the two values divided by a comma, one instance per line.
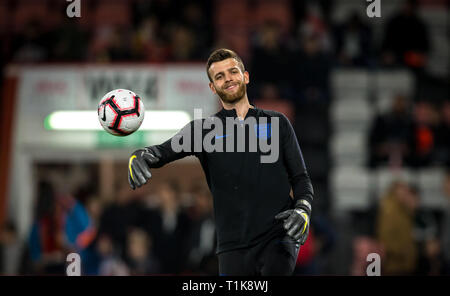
[247, 192]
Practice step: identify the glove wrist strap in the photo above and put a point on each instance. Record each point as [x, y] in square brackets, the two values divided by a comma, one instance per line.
[304, 205]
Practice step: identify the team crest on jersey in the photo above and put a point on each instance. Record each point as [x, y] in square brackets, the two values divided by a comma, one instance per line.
[263, 131]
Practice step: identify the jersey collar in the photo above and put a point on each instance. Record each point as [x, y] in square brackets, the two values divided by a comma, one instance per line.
[232, 113]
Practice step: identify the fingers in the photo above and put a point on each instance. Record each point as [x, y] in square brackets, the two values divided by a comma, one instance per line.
[144, 169]
[150, 159]
[130, 181]
[299, 232]
[283, 215]
[304, 237]
[138, 170]
[296, 225]
[292, 220]
[295, 231]
[137, 176]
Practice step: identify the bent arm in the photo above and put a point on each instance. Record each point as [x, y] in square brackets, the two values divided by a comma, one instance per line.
[295, 164]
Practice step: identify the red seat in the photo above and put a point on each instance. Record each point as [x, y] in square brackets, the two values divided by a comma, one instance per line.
[4, 17]
[26, 11]
[236, 38]
[233, 12]
[113, 12]
[271, 10]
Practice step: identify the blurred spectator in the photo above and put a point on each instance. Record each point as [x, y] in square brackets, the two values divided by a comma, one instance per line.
[91, 258]
[142, 10]
[11, 249]
[147, 41]
[446, 225]
[269, 56]
[270, 100]
[314, 24]
[363, 246]
[320, 241]
[170, 247]
[324, 9]
[69, 42]
[426, 234]
[196, 16]
[139, 256]
[79, 231]
[312, 70]
[46, 243]
[353, 41]
[183, 44]
[389, 135]
[61, 226]
[110, 264]
[395, 226]
[442, 135]
[406, 41]
[119, 216]
[112, 43]
[424, 135]
[31, 44]
[166, 10]
[201, 240]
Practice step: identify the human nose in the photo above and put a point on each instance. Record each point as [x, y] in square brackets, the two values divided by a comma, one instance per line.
[228, 77]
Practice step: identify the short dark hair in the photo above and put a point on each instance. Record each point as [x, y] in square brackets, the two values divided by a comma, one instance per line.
[220, 55]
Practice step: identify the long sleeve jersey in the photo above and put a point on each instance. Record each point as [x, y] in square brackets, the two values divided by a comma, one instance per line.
[247, 192]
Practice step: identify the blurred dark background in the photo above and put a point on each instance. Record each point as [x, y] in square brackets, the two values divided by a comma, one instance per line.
[368, 99]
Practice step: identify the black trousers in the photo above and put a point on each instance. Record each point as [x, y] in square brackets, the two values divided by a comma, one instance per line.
[276, 256]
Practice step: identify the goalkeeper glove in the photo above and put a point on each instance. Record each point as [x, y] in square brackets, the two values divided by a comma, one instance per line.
[139, 167]
[296, 221]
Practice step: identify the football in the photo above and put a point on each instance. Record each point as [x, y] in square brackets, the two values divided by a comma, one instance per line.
[121, 112]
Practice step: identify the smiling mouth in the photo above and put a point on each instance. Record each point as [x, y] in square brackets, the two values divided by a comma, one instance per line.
[231, 87]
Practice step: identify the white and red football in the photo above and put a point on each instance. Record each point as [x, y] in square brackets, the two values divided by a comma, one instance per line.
[121, 112]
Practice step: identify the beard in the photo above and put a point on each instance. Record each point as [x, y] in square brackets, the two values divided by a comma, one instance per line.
[232, 98]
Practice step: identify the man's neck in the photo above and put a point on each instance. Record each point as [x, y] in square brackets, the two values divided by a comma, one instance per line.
[241, 107]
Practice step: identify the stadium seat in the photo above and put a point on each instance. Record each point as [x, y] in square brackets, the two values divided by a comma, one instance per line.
[113, 12]
[236, 39]
[431, 185]
[395, 81]
[350, 186]
[348, 148]
[352, 109]
[349, 79]
[383, 178]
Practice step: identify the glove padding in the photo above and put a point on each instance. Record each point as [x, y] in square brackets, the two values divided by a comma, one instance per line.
[296, 223]
[139, 167]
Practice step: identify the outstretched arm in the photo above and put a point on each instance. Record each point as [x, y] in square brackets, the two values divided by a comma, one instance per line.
[142, 160]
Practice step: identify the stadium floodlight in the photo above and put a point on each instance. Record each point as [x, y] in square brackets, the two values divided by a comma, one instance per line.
[88, 120]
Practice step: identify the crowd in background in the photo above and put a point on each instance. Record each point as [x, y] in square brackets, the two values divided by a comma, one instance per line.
[410, 239]
[169, 233]
[411, 134]
[163, 233]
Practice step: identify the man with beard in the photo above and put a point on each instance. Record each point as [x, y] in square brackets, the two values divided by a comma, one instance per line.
[259, 226]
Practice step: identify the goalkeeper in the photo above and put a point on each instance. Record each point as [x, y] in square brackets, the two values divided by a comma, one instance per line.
[259, 226]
